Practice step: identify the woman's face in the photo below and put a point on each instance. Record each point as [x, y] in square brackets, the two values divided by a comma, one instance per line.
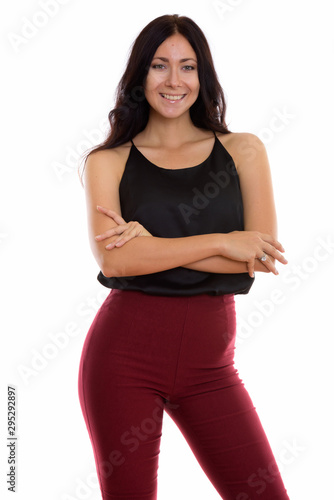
[172, 84]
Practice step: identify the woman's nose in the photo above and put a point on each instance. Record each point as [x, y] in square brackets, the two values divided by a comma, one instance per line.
[173, 78]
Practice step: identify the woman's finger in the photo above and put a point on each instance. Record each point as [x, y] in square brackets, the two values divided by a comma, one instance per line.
[132, 231]
[268, 263]
[127, 231]
[250, 267]
[270, 250]
[111, 232]
[119, 242]
[269, 239]
[111, 213]
[271, 253]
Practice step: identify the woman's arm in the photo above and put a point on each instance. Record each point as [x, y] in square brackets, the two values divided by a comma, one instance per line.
[140, 255]
[129, 230]
[220, 264]
[132, 229]
[151, 254]
[251, 160]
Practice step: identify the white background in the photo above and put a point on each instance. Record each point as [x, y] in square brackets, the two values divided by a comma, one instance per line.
[273, 59]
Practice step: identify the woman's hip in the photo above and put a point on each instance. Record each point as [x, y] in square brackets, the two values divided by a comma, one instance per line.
[159, 329]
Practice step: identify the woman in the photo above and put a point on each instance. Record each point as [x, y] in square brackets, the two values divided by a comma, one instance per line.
[180, 215]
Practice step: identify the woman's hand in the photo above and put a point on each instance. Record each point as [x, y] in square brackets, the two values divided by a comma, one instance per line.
[127, 230]
[246, 246]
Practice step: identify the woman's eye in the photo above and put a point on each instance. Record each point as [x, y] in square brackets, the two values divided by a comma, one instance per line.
[159, 66]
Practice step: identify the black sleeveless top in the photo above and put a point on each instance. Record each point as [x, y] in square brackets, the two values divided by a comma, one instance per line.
[170, 203]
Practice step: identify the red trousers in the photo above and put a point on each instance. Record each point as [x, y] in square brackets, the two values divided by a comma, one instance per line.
[146, 354]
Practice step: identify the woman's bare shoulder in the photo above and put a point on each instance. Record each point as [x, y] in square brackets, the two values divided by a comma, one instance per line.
[105, 158]
[239, 144]
[237, 138]
[112, 153]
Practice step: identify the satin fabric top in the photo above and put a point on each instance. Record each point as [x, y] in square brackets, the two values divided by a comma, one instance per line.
[202, 199]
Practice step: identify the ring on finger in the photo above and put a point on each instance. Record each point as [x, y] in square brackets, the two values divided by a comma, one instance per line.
[264, 257]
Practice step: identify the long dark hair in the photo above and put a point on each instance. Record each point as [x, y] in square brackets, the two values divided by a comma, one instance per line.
[131, 112]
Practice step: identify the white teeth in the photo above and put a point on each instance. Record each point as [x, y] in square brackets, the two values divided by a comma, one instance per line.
[173, 97]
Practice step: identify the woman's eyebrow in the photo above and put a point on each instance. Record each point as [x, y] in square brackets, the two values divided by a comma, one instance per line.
[165, 59]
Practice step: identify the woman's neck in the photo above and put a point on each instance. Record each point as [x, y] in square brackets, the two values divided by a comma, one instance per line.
[168, 132]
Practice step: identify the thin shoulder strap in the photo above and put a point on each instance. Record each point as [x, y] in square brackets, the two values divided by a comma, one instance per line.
[215, 134]
[132, 141]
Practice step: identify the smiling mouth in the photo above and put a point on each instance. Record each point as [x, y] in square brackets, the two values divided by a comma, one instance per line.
[173, 98]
